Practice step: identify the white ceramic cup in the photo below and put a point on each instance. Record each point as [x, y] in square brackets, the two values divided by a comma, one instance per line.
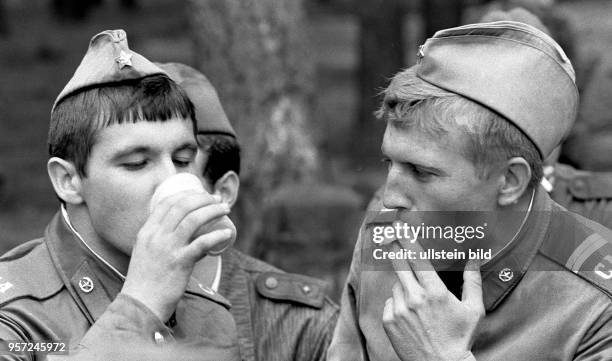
[185, 181]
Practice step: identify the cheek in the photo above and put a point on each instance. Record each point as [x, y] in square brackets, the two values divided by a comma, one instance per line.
[454, 195]
[119, 209]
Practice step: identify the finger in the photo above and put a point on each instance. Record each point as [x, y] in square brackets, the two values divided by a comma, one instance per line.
[399, 299]
[421, 271]
[472, 284]
[183, 206]
[400, 264]
[424, 271]
[197, 249]
[160, 210]
[388, 311]
[201, 217]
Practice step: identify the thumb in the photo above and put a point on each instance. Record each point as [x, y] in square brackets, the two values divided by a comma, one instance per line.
[472, 285]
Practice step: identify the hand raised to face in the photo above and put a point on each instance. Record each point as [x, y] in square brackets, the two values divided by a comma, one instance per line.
[424, 320]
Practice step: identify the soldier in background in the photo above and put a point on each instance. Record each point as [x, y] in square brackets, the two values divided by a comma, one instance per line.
[590, 144]
[588, 193]
[279, 316]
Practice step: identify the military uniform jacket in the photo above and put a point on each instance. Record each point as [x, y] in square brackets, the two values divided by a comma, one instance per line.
[586, 193]
[279, 316]
[54, 290]
[547, 296]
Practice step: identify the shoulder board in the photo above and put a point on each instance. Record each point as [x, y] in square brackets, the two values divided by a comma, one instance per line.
[583, 247]
[591, 185]
[27, 271]
[292, 287]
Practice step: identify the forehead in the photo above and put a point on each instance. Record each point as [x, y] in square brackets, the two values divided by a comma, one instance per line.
[412, 144]
[146, 134]
[400, 139]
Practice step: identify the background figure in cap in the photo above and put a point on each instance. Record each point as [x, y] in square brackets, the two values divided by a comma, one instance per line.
[468, 128]
[587, 193]
[298, 325]
[113, 271]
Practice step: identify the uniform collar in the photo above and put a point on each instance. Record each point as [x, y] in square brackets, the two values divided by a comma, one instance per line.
[89, 281]
[504, 272]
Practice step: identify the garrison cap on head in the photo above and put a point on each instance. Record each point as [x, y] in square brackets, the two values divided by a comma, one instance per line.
[108, 60]
[510, 67]
[211, 118]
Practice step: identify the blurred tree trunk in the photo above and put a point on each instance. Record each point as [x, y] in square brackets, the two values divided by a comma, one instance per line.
[381, 55]
[254, 52]
[442, 14]
[75, 10]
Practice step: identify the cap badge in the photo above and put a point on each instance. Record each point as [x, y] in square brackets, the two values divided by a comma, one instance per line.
[124, 59]
[420, 53]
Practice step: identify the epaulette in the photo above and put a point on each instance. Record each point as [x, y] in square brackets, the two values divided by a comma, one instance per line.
[27, 271]
[587, 251]
[292, 287]
[586, 185]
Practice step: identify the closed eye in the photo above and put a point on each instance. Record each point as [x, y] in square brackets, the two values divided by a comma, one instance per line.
[420, 173]
[135, 165]
[183, 163]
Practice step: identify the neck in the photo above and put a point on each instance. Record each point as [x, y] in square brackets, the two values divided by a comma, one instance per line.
[103, 250]
[501, 228]
[510, 221]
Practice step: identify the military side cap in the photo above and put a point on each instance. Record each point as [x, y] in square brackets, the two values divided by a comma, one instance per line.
[510, 67]
[211, 118]
[108, 60]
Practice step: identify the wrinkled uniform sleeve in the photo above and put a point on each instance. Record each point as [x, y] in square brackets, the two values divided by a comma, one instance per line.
[127, 331]
[347, 343]
[11, 331]
[315, 343]
[597, 342]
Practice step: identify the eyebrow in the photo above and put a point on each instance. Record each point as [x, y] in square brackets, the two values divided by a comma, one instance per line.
[418, 165]
[131, 150]
[191, 146]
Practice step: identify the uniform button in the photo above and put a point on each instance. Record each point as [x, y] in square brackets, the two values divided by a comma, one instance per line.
[271, 282]
[306, 289]
[86, 284]
[579, 184]
[506, 275]
[159, 338]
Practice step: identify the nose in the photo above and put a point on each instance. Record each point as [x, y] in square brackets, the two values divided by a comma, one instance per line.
[166, 169]
[396, 194]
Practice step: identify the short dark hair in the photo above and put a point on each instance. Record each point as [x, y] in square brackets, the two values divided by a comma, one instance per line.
[491, 138]
[77, 118]
[223, 155]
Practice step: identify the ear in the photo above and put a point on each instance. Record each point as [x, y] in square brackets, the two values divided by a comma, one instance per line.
[514, 182]
[227, 187]
[65, 179]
